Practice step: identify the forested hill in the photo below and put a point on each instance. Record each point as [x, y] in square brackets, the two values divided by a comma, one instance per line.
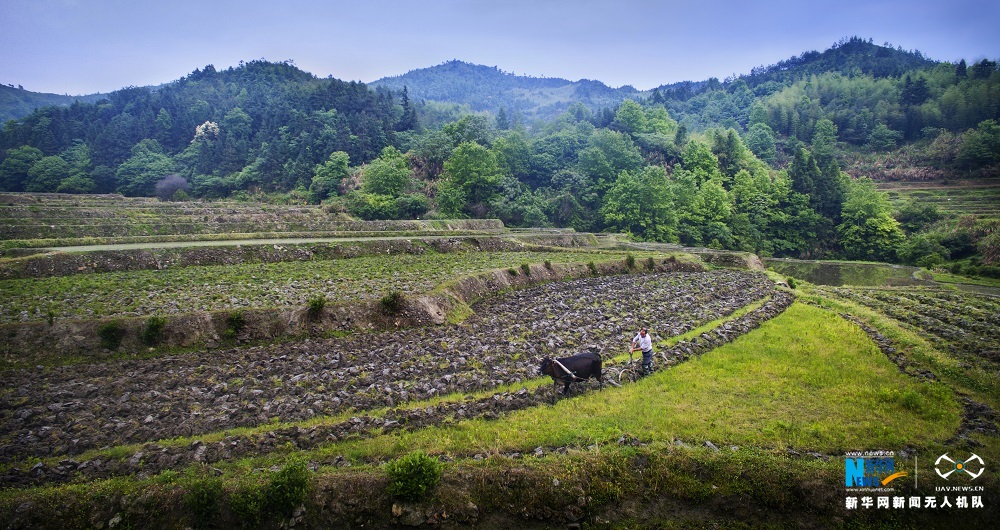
[261, 126]
[17, 102]
[485, 88]
[850, 57]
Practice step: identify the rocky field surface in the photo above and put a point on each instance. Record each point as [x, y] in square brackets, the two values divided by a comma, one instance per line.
[67, 410]
[153, 457]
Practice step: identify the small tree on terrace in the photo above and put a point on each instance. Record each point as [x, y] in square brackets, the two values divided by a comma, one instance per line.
[386, 175]
[327, 176]
[869, 232]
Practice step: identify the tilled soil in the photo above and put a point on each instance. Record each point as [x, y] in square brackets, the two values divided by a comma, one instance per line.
[962, 324]
[67, 410]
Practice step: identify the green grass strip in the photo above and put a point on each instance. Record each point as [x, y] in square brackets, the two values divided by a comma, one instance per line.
[806, 379]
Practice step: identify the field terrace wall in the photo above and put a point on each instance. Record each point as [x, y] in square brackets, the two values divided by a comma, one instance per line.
[572, 240]
[34, 342]
[240, 225]
[69, 263]
[737, 260]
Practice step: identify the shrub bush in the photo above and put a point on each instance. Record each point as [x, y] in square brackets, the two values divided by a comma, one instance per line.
[630, 261]
[370, 206]
[235, 323]
[288, 487]
[791, 282]
[392, 303]
[989, 271]
[930, 261]
[411, 206]
[548, 264]
[111, 334]
[152, 334]
[247, 504]
[315, 306]
[526, 269]
[412, 475]
[202, 500]
[592, 267]
[650, 264]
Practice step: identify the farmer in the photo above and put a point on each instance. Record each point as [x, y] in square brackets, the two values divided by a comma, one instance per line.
[644, 342]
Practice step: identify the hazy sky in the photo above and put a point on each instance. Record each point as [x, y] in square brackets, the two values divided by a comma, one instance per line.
[86, 46]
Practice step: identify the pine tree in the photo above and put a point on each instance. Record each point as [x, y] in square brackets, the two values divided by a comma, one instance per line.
[408, 121]
[914, 92]
[503, 123]
[804, 172]
[961, 71]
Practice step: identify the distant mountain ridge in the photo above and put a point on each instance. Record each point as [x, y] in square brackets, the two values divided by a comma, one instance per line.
[17, 102]
[851, 56]
[485, 88]
[489, 88]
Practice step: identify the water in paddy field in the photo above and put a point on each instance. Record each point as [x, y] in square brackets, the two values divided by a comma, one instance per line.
[835, 273]
[838, 273]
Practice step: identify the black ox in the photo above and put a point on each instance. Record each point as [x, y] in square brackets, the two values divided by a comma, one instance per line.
[568, 370]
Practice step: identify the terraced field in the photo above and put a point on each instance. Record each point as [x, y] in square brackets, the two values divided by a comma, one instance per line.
[963, 324]
[979, 197]
[52, 219]
[67, 411]
[754, 400]
[251, 285]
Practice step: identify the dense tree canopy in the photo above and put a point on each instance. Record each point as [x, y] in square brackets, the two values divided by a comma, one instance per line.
[869, 232]
[640, 203]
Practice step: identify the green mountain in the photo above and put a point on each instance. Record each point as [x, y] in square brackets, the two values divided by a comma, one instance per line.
[17, 102]
[851, 57]
[486, 88]
[266, 126]
[260, 126]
